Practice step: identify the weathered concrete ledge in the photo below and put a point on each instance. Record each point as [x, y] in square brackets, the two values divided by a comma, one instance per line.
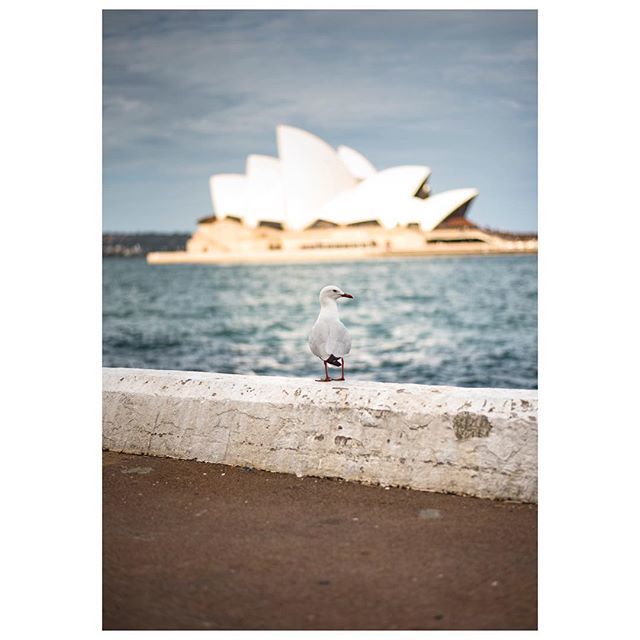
[479, 442]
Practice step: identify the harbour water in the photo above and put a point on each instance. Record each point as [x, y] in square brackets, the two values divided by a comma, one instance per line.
[464, 321]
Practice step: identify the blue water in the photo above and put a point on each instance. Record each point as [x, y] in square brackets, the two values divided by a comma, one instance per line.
[469, 321]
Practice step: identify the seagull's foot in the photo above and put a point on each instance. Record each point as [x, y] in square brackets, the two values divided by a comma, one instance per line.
[339, 379]
[323, 379]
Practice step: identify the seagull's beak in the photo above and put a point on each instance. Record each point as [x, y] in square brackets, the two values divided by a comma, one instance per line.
[346, 295]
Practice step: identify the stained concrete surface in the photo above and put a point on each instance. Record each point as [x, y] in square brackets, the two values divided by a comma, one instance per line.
[468, 441]
[191, 545]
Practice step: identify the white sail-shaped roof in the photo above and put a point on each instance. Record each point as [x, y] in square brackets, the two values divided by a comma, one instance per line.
[312, 172]
[386, 196]
[436, 208]
[359, 167]
[312, 181]
[229, 194]
[265, 193]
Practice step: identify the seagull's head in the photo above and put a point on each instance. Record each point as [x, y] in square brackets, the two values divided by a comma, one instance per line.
[331, 292]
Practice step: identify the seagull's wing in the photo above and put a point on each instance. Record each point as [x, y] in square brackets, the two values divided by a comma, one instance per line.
[318, 339]
[338, 341]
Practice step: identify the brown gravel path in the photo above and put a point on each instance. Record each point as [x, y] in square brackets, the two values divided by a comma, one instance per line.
[189, 545]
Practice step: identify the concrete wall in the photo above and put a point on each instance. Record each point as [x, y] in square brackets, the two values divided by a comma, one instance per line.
[479, 442]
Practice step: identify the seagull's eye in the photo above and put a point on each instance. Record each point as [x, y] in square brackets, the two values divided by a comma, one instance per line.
[335, 291]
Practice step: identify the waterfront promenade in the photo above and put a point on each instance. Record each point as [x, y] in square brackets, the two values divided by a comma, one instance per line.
[260, 502]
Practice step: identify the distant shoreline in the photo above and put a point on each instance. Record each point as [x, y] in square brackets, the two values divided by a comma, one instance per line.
[133, 245]
[170, 248]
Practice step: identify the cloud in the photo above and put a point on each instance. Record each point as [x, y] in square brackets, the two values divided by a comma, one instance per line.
[188, 74]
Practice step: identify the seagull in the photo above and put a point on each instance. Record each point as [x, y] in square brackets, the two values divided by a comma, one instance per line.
[329, 338]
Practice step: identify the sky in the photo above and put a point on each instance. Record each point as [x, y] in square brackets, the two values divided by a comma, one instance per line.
[187, 94]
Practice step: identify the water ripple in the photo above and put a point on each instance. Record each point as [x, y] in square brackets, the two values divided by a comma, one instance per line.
[468, 321]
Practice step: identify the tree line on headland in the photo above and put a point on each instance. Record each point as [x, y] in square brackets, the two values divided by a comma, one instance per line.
[131, 245]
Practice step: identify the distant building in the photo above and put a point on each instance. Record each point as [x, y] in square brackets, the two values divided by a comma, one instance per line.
[316, 202]
[311, 181]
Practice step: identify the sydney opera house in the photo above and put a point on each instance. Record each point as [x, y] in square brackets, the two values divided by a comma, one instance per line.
[314, 203]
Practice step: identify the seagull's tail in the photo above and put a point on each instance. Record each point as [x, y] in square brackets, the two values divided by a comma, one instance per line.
[334, 361]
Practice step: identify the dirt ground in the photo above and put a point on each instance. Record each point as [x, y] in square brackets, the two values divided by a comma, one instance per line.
[190, 545]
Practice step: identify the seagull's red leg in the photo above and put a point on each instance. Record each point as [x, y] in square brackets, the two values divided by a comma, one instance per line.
[326, 374]
[342, 369]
